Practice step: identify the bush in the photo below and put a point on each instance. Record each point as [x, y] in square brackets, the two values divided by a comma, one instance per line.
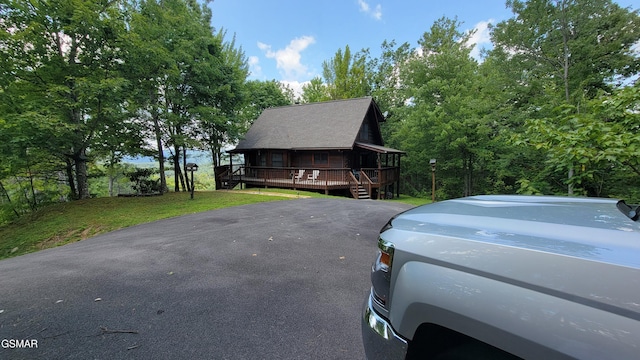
[143, 184]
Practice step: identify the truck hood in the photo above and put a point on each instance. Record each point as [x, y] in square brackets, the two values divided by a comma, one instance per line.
[585, 228]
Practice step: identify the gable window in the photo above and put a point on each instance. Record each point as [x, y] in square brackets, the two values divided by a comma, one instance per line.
[364, 132]
[321, 159]
[277, 160]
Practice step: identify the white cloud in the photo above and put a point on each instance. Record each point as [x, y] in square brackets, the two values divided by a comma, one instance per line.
[364, 7]
[375, 13]
[263, 46]
[481, 37]
[254, 66]
[296, 86]
[288, 59]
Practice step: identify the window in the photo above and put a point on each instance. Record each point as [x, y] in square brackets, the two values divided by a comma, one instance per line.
[262, 159]
[320, 159]
[277, 160]
[364, 132]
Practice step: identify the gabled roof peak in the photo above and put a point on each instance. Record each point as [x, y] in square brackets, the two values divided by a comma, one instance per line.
[331, 124]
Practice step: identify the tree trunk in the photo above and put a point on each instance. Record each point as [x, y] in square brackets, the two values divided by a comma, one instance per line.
[111, 172]
[215, 155]
[178, 174]
[214, 158]
[565, 74]
[158, 133]
[176, 168]
[565, 49]
[470, 175]
[182, 181]
[184, 166]
[71, 179]
[217, 179]
[6, 195]
[111, 178]
[82, 176]
[570, 186]
[467, 173]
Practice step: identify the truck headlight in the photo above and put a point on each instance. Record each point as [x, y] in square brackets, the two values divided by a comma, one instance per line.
[381, 272]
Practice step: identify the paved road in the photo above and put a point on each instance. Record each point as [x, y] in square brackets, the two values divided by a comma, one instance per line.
[282, 280]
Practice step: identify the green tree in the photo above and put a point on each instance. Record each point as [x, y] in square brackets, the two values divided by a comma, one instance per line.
[603, 139]
[189, 81]
[561, 54]
[149, 62]
[345, 75]
[387, 87]
[261, 95]
[315, 91]
[113, 143]
[29, 174]
[60, 64]
[192, 48]
[578, 46]
[447, 117]
[221, 98]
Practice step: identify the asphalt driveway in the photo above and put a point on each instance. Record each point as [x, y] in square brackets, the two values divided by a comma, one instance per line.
[283, 280]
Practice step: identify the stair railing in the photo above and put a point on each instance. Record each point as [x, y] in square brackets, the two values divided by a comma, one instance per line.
[353, 185]
[368, 181]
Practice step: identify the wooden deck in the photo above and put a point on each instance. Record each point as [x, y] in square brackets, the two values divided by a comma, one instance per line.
[369, 180]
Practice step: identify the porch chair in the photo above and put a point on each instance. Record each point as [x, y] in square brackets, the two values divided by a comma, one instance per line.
[314, 175]
[300, 174]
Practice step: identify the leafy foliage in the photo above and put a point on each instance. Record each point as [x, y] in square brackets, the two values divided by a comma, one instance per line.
[83, 80]
[563, 54]
[143, 184]
[551, 109]
[61, 62]
[315, 91]
[447, 115]
[345, 75]
[603, 139]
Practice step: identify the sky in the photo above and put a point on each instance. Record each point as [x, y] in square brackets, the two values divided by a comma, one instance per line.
[287, 40]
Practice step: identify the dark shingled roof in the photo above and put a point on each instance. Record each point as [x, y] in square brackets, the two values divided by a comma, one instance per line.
[323, 125]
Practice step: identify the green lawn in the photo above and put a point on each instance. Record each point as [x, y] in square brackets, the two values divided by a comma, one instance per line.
[412, 200]
[77, 220]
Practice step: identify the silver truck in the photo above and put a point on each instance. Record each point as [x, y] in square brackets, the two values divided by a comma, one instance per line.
[504, 277]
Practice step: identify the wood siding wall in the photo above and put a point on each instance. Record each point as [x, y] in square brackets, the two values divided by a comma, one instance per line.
[303, 159]
[318, 159]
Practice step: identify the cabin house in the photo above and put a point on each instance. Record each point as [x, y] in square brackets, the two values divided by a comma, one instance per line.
[334, 146]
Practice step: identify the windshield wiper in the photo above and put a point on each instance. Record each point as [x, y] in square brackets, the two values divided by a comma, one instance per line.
[631, 211]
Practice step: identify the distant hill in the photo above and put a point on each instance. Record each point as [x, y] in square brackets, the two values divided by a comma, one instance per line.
[198, 157]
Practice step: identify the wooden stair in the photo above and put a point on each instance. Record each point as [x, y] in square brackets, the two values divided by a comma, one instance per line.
[362, 193]
[229, 184]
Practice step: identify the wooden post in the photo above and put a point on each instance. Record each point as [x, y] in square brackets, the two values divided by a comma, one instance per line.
[231, 171]
[398, 176]
[379, 177]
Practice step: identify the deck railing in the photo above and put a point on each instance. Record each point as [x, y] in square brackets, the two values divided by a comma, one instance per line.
[383, 176]
[353, 185]
[365, 180]
[304, 178]
[315, 178]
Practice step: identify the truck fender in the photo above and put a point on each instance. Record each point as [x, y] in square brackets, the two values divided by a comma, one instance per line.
[524, 321]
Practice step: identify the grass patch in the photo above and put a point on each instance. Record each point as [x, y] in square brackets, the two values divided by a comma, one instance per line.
[73, 221]
[415, 201]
